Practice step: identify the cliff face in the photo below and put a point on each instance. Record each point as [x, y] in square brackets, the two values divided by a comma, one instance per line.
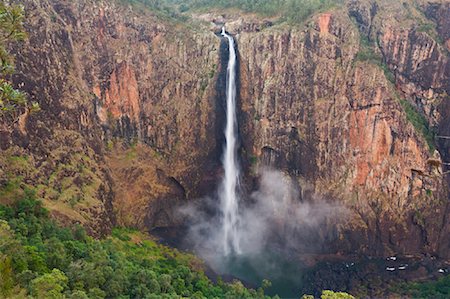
[105, 74]
[327, 113]
[332, 102]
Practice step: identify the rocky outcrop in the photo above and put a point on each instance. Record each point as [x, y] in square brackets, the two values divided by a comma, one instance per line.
[332, 102]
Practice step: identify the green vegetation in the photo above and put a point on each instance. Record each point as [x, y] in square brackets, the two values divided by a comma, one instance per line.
[293, 11]
[419, 122]
[426, 27]
[11, 29]
[367, 53]
[164, 9]
[12, 101]
[330, 295]
[39, 259]
[439, 289]
[387, 72]
[69, 180]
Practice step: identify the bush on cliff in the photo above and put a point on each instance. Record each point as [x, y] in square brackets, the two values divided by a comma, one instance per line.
[12, 101]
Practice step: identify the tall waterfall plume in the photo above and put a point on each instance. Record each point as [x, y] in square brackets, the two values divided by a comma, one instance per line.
[228, 193]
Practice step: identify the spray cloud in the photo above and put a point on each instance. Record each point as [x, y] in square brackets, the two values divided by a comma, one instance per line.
[274, 216]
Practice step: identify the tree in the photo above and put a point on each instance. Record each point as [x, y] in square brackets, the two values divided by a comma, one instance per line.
[335, 295]
[50, 285]
[164, 282]
[56, 254]
[12, 101]
[78, 295]
[11, 28]
[6, 276]
[96, 293]
[6, 236]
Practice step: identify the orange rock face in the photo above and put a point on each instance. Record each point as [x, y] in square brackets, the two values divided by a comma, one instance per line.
[122, 95]
[313, 108]
[324, 22]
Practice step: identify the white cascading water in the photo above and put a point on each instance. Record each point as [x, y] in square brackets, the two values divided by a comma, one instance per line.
[228, 195]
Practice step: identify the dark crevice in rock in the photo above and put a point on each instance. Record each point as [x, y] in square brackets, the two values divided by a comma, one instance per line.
[220, 103]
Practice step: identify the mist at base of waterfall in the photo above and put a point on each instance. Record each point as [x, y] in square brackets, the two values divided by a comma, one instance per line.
[273, 214]
[275, 225]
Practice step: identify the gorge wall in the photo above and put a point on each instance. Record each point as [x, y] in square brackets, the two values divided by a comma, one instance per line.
[130, 115]
[334, 116]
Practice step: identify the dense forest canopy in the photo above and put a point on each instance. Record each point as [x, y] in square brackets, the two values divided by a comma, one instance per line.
[40, 259]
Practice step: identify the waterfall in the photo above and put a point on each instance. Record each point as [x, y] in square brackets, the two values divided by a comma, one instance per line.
[229, 196]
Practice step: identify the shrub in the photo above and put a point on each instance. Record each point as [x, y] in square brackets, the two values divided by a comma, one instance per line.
[419, 122]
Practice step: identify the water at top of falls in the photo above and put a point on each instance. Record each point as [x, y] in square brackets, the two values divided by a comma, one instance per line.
[229, 195]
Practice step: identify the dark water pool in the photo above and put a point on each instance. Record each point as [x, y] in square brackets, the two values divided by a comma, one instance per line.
[285, 274]
[291, 277]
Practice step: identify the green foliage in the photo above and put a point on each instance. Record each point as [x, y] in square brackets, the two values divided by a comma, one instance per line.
[6, 281]
[12, 101]
[435, 289]
[387, 73]
[293, 11]
[162, 8]
[46, 261]
[419, 122]
[50, 285]
[426, 27]
[335, 295]
[367, 53]
[330, 295]
[11, 28]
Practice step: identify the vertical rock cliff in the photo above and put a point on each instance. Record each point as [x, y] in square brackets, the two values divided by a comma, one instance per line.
[350, 104]
[127, 90]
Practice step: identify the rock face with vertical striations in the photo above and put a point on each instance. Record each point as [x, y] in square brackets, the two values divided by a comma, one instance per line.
[347, 103]
[338, 102]
[109, 74]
